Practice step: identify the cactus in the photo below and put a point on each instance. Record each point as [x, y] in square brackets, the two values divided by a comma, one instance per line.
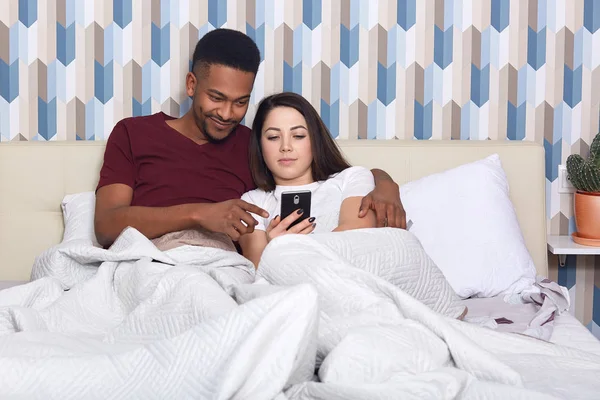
[585, 174]
[595, 151]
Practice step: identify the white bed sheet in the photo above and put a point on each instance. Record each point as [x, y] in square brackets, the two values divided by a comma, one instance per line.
[128, 327]
[8, 284]
[568, 331]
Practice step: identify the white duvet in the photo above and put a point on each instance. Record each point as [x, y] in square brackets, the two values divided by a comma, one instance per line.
[137, 323]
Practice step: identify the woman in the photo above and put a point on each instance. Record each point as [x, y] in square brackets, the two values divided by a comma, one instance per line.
[290, 150]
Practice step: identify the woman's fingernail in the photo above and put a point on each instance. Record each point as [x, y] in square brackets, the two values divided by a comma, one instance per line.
[300, 211]
[314, 224]
[277, 216]
[311, 219]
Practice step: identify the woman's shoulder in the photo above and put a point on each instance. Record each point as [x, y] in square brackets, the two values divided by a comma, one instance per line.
[354, 181]
[351, 172]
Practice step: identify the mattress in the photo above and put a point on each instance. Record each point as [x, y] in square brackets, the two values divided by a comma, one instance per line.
[568, 331]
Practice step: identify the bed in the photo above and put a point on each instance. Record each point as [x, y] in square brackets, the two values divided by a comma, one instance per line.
[35, 177]
[38, 175]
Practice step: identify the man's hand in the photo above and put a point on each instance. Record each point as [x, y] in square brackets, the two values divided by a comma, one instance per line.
[231, 217]
[385, 201]
[279, 227]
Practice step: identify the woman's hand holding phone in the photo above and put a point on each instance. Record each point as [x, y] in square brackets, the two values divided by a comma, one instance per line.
[279, 227]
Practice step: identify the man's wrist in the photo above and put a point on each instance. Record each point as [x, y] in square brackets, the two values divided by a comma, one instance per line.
[380, 176]
[197, 214]
[387, 183]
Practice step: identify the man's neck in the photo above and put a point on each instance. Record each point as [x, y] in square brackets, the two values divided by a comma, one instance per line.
[187, 126]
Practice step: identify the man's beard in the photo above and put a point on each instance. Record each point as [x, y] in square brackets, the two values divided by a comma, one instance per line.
[210, 138]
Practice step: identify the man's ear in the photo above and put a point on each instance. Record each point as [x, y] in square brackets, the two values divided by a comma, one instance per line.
[190, 84]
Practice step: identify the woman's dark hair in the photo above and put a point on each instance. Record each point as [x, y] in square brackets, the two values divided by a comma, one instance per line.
[327, 157]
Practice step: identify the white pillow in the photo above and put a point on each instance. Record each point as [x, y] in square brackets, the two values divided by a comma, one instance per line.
[78, 217]
[467, 224]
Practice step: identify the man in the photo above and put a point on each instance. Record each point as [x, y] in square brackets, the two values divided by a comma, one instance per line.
[162, 175]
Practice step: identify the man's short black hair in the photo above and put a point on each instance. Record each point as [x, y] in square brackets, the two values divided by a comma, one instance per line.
[229, 48]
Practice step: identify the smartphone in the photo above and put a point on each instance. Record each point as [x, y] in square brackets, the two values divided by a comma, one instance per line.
[292, 202]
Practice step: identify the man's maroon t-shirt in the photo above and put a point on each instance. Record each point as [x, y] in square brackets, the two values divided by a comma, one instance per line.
[165, 168]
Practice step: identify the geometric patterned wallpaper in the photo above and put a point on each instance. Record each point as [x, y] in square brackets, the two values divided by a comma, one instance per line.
[375, 69]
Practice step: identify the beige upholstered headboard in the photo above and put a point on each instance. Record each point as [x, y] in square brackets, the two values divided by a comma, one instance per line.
[34, 177]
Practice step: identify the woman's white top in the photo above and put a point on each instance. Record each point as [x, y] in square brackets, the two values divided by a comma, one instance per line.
[326, 201]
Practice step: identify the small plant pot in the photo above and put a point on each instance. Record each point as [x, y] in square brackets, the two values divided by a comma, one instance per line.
[587, 214]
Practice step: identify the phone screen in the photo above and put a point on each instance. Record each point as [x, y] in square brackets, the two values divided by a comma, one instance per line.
[293, 201]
